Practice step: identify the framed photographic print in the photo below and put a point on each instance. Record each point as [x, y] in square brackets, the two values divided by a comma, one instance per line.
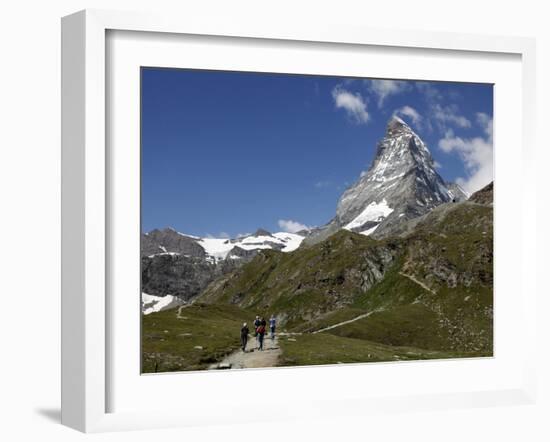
[250, 206]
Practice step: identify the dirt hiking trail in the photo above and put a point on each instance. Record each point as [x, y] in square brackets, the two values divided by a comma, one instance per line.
[252, 358]
[349, 321]
[420, 283]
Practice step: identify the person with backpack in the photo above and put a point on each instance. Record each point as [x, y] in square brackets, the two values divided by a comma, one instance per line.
[261, 333]
[257, 323]
[244, 336]
[272, 323]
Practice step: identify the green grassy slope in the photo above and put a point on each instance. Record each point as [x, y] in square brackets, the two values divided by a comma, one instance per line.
[169, 340]
[454, 240]
[429, 294]
[326, 348]
[309, 282]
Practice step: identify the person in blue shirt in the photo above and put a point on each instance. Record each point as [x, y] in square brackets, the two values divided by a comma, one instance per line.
[272, 324]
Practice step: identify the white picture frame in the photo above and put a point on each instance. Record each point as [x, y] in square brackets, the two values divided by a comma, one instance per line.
[86, 356]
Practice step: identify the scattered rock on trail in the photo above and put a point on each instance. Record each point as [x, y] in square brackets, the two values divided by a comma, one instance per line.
[252, 357]
[223, 366]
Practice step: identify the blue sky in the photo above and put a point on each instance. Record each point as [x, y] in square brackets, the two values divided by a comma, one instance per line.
[224, 153]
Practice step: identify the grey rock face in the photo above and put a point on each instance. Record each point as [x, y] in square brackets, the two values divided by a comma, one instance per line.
[458, 193]
[169, 241]
[400, 184]
[261, 232]
[176, 275]
[179, 275]
[239, 253]
[182, 266]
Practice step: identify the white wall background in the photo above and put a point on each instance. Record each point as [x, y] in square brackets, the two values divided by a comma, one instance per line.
[30, 215]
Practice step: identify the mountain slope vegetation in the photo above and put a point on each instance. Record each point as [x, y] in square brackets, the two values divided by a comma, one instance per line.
[431, 288]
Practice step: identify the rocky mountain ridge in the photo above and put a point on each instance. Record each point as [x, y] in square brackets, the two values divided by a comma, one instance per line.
[170, 241]
[180, 265]
[401, 184]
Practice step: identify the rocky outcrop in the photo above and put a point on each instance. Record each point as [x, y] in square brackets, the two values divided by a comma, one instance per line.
[179, 275]
[484, 196]
[169, 240]
[240, 253]
[457, 192]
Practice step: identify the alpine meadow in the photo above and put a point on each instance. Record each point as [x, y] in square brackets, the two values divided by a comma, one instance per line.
[292, 220]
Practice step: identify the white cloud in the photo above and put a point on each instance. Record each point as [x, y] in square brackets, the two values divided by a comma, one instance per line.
[450, 114]
[442, 116]
[354, 104]
[291, 226]
[431, 93]
[384, 88]
[477, 154]
[322, 184]
[410, 112]
[485, 122]
[437, 164]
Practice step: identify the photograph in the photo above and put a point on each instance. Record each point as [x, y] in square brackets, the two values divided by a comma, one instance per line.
[301, 220]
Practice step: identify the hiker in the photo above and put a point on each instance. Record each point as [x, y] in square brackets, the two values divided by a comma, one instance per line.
[272, 323]
[244, 336]
[257, 323]
[261, 333]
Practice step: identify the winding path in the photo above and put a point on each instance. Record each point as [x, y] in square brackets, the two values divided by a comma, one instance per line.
[365, 315]
[349, 321]
[420, 283]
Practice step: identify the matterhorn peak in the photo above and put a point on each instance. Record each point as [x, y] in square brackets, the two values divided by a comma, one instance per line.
[400, 184]
[397, 126]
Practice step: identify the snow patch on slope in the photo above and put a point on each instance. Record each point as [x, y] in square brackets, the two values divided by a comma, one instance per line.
[219, 248]
[374, 212]
[152, 304]
[164, 254]
[369, 231]
[216, 247]
[291, 240]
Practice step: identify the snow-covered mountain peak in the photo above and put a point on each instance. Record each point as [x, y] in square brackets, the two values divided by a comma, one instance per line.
[169, 241]
[397, 126]
[401, 183]
[261, 232]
